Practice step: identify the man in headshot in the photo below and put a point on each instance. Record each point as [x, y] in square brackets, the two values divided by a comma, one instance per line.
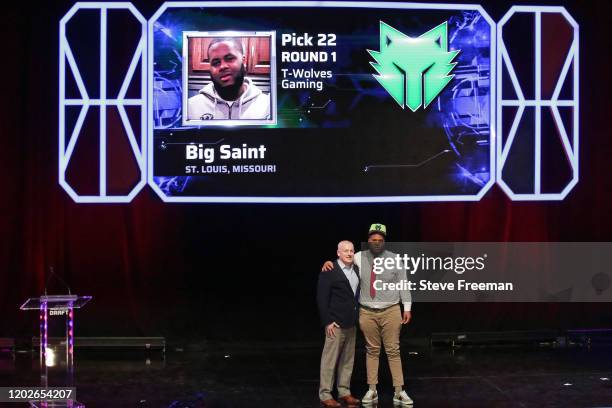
[230, 95]
[337, 293]
[380, 315]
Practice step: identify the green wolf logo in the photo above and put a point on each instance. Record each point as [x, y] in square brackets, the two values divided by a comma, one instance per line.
[413, 69]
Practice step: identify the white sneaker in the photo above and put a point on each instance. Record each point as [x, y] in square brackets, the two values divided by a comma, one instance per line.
[402, 399]
[370, 397]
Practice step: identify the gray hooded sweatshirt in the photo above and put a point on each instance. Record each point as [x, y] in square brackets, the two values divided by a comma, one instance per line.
[207, 104]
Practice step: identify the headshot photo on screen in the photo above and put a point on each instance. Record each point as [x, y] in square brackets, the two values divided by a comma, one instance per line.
[228, 79]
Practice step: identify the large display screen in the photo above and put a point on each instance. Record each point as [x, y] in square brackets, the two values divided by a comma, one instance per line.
[321, 104]
[317, 102]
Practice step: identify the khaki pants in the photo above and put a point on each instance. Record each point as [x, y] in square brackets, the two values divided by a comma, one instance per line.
[338, 353]
[382, 327]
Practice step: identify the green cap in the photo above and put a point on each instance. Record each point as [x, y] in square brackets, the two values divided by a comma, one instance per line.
[378, 228]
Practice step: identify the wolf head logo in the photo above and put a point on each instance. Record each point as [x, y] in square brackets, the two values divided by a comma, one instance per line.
[413, 70]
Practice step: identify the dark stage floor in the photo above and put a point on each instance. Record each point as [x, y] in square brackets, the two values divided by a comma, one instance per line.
[251, 376]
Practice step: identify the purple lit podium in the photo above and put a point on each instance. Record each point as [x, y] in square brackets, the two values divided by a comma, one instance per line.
[56, 315]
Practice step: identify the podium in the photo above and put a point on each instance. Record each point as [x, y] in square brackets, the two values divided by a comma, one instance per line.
[56, 316]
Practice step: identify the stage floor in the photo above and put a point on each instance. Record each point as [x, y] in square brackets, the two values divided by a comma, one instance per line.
[268, 376]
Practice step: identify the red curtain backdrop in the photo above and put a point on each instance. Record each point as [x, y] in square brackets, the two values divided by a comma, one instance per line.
[151, 266]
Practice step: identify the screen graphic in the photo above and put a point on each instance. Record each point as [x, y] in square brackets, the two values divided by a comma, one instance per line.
[376, 106]
[413, 69]
[317, 102]
[227, 78]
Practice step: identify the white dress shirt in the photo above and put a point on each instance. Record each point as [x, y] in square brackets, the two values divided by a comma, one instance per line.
[350, 274]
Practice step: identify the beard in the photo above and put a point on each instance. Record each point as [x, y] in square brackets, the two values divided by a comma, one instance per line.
[376, 249]
[231, 92]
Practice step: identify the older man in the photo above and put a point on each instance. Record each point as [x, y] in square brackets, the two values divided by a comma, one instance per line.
[230, 95]
[337, 294]
[380, 315]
